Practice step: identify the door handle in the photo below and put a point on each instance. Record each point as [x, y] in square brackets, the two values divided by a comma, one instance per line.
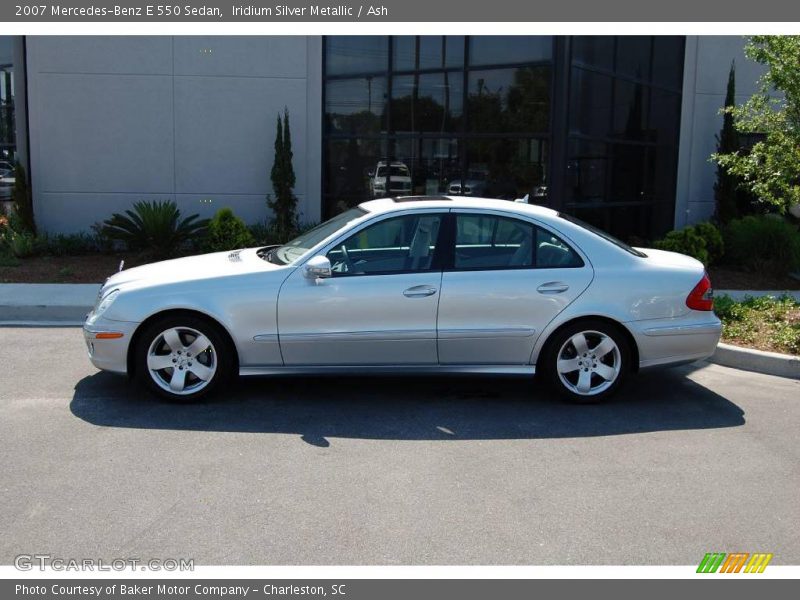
[552, 287]
[419, 291]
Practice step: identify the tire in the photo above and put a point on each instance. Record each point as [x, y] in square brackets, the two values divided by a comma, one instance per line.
[576, 371]
[183, 357]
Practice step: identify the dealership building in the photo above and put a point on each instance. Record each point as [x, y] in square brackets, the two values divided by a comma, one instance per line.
[616, 130]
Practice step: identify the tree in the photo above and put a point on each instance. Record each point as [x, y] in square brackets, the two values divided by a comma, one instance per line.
[771, 169]
[23, 204]
[727, 184]
[284, 202]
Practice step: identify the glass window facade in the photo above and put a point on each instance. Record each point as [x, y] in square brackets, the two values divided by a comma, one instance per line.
[8, 134]
[435, 114]
[587, 125]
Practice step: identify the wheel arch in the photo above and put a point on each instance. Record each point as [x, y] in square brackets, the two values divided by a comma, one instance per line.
[619, 325]
[131, 358]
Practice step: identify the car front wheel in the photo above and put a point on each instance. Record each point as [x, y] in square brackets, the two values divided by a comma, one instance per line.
[182, 358]
[587, 361]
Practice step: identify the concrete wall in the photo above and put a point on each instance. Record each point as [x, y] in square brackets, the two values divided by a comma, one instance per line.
[114, 120]
[705, 79]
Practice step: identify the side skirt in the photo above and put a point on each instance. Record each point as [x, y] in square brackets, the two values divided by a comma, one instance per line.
[391, 370]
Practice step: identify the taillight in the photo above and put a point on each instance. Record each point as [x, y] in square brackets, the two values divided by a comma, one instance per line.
[702, 296]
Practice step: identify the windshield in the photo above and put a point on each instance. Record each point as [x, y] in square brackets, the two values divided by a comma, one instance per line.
[291, 251]
[606, 236]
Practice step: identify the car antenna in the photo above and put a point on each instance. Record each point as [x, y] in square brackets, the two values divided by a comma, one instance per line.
[523, 200]
[121, 265]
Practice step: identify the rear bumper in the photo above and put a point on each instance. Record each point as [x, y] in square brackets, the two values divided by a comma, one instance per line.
[107, 343]
[669, 342]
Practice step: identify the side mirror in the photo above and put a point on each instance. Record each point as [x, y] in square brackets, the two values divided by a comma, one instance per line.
[318, 267]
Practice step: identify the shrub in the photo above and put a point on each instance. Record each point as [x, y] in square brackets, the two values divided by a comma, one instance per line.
[226, 231]
[702, 241]
[154, 228]
[73, 244]
[685, 241]
[713, 238]
[763, 243]
[23, 204]
[284, 204]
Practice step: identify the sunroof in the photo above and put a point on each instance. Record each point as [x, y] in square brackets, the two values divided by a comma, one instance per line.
[419, 198]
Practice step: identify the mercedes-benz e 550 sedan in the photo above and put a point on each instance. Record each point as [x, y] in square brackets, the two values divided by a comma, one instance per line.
[411, 285]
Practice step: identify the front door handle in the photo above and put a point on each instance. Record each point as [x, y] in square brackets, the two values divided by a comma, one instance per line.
[552, 287]
[419, 291]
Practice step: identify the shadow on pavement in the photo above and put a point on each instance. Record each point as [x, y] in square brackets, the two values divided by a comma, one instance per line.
[418, 408]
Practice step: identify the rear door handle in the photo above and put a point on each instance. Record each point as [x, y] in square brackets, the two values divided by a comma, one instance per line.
[552, 287]
[419, 291]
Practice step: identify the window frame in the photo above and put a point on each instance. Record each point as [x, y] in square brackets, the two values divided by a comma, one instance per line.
[450, 238]
[439, 251]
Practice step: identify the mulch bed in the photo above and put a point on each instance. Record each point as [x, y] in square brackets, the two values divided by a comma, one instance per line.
[91, 268]
[726, 278]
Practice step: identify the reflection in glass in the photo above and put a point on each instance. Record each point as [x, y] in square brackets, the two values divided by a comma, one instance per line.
[347, 54]
[515, 100]
[509, 49]
[668, 61]
[433, 163]
[427, 103]
[594, 51]
[633, 56]
[412, 53]
[356, 106]
[590, 103]
[350, 170]
[8, 143]
[630, 104]
[508, 169]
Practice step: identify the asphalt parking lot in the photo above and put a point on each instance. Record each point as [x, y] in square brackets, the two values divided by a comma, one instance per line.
[393, 471]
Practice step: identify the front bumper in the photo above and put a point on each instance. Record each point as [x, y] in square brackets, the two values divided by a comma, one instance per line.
[107, 342]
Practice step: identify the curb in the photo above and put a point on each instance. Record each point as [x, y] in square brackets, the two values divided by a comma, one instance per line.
[46, 304]
[739, 295]
[758, 361]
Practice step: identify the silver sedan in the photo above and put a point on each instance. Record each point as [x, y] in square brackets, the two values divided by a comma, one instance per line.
[411, 285]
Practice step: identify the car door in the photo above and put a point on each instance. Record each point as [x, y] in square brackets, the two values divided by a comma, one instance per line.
[506, 280]
[378, 308]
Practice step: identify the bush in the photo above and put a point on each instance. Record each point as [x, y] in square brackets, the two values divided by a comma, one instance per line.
[763, 243]
[686, 241]
[702, 241]
[713, 238]
[73, 244]
[226, 231]
[154, 228]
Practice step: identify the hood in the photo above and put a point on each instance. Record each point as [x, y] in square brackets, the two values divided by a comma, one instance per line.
[672, 259]
[192, 268]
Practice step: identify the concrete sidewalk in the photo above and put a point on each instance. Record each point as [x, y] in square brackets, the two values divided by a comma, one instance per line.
[44, 304]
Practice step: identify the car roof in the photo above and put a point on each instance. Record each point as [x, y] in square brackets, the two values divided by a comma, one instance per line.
[382, 205]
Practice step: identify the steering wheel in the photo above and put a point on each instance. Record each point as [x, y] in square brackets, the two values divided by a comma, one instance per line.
[347, 262]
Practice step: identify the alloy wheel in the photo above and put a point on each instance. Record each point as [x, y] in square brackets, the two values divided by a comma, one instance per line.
[588, 363]
[182, 360]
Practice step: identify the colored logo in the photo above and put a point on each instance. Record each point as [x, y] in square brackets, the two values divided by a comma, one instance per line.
[738, 562]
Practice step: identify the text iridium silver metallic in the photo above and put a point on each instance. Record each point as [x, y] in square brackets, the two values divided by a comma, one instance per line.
[446, 290]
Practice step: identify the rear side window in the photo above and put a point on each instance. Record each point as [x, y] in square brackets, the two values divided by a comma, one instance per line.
[494, 242]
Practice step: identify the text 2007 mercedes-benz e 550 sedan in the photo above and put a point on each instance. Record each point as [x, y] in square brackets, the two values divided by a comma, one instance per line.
[411, 285]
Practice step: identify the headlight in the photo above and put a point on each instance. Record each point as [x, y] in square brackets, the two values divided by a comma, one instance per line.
[105, 302]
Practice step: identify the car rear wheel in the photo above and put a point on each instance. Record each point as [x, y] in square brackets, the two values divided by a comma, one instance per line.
[183, 357]
[587, 361]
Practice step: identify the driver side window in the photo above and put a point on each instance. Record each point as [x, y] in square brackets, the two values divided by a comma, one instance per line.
[397, 245]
